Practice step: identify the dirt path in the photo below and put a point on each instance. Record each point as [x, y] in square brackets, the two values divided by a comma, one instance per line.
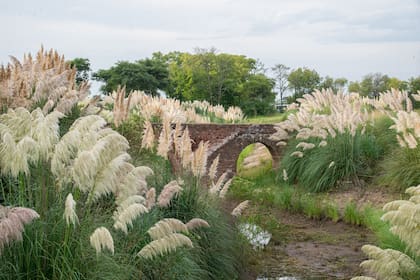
[307, 249]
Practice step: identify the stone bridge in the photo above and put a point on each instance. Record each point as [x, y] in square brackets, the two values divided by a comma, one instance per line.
[228, 141]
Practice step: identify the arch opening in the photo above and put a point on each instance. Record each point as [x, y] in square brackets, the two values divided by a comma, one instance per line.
[253, 161]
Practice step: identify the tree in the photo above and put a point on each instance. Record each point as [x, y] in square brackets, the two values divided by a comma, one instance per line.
[303, 81]
[83, 69]
[373, 84]
[149, 75]
[397, 84]
[414, 85]
[257, 95]
[281, 74]
[335, 85]
[354, 87]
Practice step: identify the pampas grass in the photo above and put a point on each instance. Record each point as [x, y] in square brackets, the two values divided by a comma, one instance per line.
[237, 211]
[169, 191]
[213, 168]
[165, 139]
[225, 188]
[70, 211]
[199, 160]
[196, 223]
[12, 222]
[403, 216]
[47, 81]
[148, 138]
[166, 227]
[389, 264]
[124, 217]
[101, 239]
[164, 245]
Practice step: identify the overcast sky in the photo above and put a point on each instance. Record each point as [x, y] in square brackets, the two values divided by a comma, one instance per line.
[337, 38]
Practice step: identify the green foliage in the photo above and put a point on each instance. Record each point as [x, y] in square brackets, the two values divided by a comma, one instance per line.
[281, 73]
[352, 215]
[345, 157]
[148, 74]
[302, 81]
[400, 169]
[312, 207]
[68, 120]
[331, 212]
[82, 69]
[226, 79]
[270, 119]
[257, 97]
[335, 84]
[262, 169]
[51, 249]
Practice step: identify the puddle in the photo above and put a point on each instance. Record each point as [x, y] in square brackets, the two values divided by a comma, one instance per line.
[258, 237]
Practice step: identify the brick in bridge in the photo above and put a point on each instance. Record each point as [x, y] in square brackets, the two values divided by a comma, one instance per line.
[228, 141]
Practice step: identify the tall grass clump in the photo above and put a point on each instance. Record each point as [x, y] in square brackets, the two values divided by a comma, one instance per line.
[345, 157]
[393, 263]
[334, 138]
[400, 168]
[46, 81]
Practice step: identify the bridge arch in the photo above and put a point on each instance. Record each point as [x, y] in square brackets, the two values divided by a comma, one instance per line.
[230, 151]
[227, 141]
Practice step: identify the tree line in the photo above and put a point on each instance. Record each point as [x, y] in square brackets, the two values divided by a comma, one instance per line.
[229, 79]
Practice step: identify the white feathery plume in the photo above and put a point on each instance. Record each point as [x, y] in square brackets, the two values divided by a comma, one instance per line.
[101, 239]
[177, 135]
[148, 139]
[213, 168]
[70, 211]
[164, 245]
[240, 208]
[168, 192]
[151, 198]
[186, 149]
[166, 227]
[285, 177]
[129, 201]
[196, 223]
[165, 139]
[225, 188]
[199, 159]
[297, 154]
[388, 263]
[124, 217]
[12, 222]
[219, 184]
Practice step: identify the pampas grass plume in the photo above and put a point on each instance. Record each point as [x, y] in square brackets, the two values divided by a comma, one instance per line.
[225, 188]
[151, 198]
[196, 223]
[240, 208]
[166, 227]
[100, 239]
[168, 192]
[124, 217]
[148, 140]
[213, 168]
[12, 222]
[164, 245]
[70, 211]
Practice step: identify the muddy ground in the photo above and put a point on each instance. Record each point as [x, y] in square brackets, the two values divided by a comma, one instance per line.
[308, 249]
